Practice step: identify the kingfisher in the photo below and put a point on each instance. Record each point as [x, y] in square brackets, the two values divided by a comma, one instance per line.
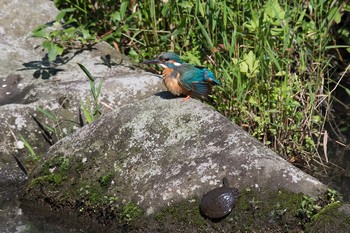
[183, 79]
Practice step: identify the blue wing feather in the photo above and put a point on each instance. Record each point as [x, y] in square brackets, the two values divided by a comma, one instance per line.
[200, 88]
[197, 80]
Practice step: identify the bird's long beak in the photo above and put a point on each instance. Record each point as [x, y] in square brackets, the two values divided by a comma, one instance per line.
[153, 61]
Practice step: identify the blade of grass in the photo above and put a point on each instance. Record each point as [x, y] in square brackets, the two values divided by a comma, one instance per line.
[91, 79]
[205, 34]
[29, 147]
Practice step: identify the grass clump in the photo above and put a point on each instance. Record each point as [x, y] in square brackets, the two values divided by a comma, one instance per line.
[310, 207]
[105, 181]
[131, 212]
[92, 111]
[275, 59]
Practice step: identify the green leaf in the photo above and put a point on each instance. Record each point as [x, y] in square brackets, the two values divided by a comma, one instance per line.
[133, 53]
[47, 113]
[243, 67]
[252, 101]
[347, 90]
[153, 11]
[40, 27]
[54, 51]
[91, 79]
[201, 8]
[186, 4]
[249, 65]
[46, 44]
[63, 12]
[69, 22]
[274, 11]
[123, 8]
[40, 32]
[334, 15]
[29, 147]
[60, 16]
[166, 8]
[86, 113]
[86, 33]
[88, 74]
[277, 31]
[99, 89]
[116, 16]
[249, 59]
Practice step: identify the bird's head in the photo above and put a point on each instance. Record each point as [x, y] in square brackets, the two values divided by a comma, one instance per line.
[171, 57]
[166, 60]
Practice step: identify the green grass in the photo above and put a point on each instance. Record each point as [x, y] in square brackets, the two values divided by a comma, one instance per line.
[32, 155]
[274, 58]
[92, 112]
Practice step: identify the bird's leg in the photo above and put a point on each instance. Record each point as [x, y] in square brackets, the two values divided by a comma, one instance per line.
[186, 98]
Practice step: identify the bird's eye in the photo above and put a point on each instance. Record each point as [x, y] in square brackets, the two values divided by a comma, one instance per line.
[164, 59]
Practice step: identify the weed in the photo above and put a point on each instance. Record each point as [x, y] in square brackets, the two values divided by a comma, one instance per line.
[105, 181]
[131, 212]
[51, 132]
[53, 126]
[33, 157]
[92, 112]
[310, 206]
[60, 35]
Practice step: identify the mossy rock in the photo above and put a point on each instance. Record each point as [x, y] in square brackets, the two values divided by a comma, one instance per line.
[264, 211]
[332, 218]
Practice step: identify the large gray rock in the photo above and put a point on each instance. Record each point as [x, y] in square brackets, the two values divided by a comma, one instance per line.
[28, 80]
[160, 151]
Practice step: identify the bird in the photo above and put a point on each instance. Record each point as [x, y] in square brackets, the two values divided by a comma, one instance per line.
[183, 79]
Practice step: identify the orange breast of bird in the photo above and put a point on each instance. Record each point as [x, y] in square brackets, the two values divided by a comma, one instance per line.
[172, 82]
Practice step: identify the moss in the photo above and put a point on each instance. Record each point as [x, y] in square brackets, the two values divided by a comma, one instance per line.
[54, 179]
[79, 166]
[91, 194]
[105, 181]
[185, 212]
[60, 163]
[131, 212]
[94, 195]
[53, 172]
[273, 211]
[329, 219]
[266, 210]
[324, 212]
[263, 211]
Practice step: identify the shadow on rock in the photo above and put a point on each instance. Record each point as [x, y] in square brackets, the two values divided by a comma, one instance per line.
[45, 69]
[11, 91]
[165, 95]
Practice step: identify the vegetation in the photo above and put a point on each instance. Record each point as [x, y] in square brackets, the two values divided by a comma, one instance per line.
[91, 113]
[276, 59]
[311, 206]
[263, 211]
[32, 155]
[130, 212]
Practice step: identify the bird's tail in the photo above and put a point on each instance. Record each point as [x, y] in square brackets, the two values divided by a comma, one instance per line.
[210, 77]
